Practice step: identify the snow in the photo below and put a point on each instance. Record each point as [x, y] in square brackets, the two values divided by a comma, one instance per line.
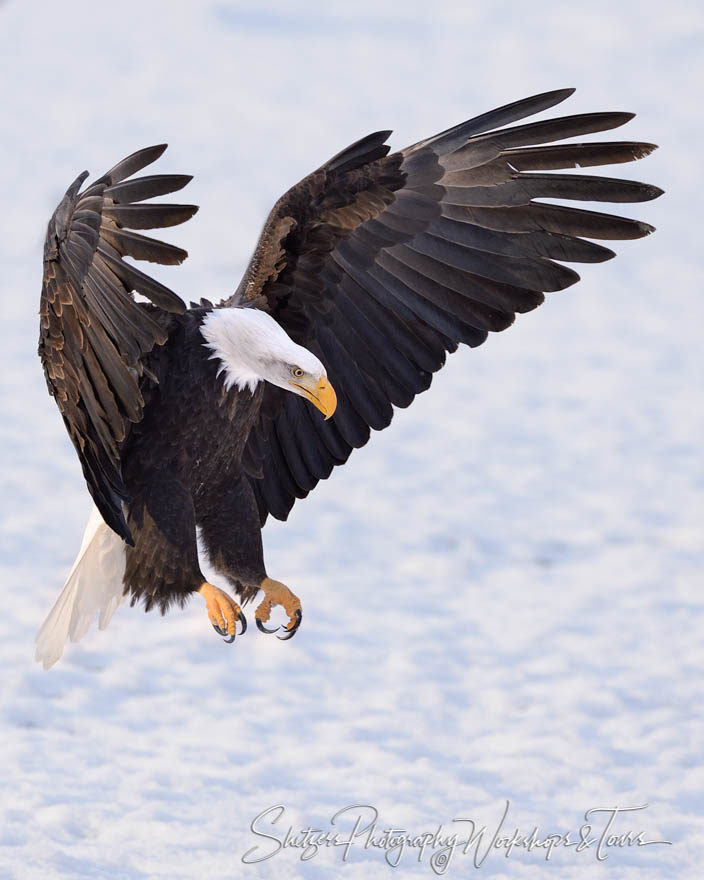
[502, 592]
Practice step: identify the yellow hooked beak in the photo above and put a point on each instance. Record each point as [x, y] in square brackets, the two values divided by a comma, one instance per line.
[322, 396]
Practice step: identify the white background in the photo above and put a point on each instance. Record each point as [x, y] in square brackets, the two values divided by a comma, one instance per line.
[502, 592]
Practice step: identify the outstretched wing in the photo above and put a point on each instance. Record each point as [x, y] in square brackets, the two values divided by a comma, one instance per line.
[93, 333]
[380, 264]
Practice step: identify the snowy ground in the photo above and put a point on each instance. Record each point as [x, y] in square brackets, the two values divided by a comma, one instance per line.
[502, 592]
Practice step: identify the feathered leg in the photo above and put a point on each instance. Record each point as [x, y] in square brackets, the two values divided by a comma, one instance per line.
[162, 567]
[231, 534]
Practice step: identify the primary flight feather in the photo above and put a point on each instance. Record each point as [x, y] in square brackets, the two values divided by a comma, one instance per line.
[366, 274]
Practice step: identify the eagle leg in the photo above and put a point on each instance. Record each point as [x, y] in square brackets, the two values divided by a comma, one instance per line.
[276, 593]
[223, 611]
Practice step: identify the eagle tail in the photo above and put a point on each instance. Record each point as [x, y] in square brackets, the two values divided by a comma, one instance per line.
[94, 585]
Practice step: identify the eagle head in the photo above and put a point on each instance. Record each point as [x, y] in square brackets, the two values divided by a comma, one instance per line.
[253, 348]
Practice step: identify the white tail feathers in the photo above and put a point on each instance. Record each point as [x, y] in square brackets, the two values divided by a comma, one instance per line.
[93, 586]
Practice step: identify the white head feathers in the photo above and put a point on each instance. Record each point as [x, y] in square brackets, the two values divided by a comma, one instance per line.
[252, 348]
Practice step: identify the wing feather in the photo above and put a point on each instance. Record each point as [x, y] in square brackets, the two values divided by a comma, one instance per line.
[380, 263]
[93, 334]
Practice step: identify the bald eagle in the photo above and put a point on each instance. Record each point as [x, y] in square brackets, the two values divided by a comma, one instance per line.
[366, 274]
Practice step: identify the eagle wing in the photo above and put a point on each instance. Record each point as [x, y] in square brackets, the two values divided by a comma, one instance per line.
[93, 333]
[381, 263]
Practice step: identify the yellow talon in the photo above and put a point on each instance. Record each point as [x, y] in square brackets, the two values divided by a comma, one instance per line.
[276, 593]
[223, 611]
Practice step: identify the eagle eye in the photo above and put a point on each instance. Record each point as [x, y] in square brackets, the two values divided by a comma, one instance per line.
[297, 372]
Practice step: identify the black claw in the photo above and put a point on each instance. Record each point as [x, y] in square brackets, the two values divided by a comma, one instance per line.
[290, 633]
[262, 628]
[293, 629]
[223, 632]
